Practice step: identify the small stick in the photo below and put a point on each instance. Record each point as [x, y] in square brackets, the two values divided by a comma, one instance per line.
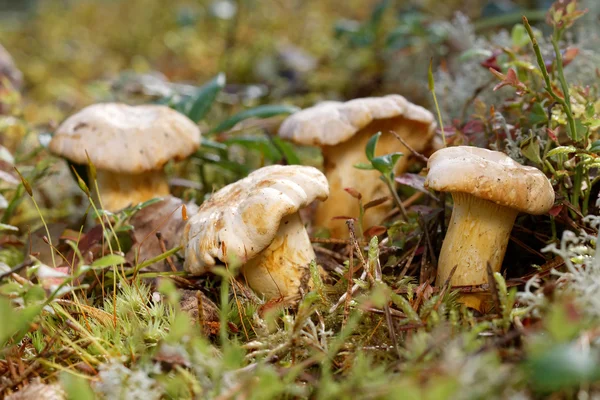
[350, 281]
[413, 151]
[328, 240]
[493, 288]
[163, 249]
[200, 306]
[410, 259]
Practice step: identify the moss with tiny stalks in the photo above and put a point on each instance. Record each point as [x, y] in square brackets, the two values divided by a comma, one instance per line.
[429, 290]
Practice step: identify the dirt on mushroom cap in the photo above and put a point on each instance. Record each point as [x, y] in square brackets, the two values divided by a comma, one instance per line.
[241, 220]
[122, 138]
[490, 175]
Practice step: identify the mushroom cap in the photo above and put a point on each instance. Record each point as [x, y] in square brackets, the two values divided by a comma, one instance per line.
[333, 122]
[126, 139]
[490, 175]
[242, 219]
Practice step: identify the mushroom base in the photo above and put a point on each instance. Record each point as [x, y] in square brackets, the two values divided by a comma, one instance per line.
[339, 161]
[280, 270]
[119, 190]
[478, 234]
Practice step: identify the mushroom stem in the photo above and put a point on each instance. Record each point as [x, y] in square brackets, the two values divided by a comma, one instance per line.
[339, 161]
[282, 268]
[478, 234]
[119, 190]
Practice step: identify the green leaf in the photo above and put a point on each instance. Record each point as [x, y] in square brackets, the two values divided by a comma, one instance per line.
[264, 111]
[563, 366]
[108, 261]
[76, 387]
[430, 80]
[562, 150]
[530, 148]
[385, 164]
[538, 114]
[595, 148]
[7, 227]
[25, 183]
[472, 53]
[405, 306]
[287, 149]
[211, 144]
[19, 320]
[365, 166]
[204, 98]
[371, 145]
[258, 143]
[519, 36]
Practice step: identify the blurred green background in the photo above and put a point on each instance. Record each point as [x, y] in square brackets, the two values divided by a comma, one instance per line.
[75, 52]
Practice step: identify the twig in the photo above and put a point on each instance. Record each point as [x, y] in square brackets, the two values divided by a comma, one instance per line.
[444, 288]
[330, 253]
[526, 247]
[328, 240]
[413, 151]
[353, 291]
[163, 249]
[427, 238]
[410, 259]
[493, 288]
[349, 289]
[200, 306]
[406, 203]
[27, 263]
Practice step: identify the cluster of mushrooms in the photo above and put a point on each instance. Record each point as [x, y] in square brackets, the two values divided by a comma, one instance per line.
[255, 222]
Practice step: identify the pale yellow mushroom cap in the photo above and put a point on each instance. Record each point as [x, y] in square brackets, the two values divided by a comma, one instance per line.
[331, 122]
[126, 139]
[490, 175]
[242, 219]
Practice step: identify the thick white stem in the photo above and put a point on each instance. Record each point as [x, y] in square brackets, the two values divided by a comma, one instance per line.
[282, 268]
[118, 190]
[478, 234]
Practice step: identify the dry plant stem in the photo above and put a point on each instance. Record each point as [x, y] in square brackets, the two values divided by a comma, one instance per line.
[349, 288]
[119, 190]
[493, 288]
[342, 299]
[413, 151]
[163, 248]
[478, 234]
[409, 260]
[280, 269]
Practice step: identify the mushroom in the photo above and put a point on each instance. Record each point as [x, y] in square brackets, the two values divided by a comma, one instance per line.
[489, 189]
[342, 130]
[255, 222]
[129, 145]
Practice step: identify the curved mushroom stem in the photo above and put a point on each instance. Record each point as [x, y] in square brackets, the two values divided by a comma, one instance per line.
[339, 161]
[118, 190]
[280, 270]
[478, 234]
